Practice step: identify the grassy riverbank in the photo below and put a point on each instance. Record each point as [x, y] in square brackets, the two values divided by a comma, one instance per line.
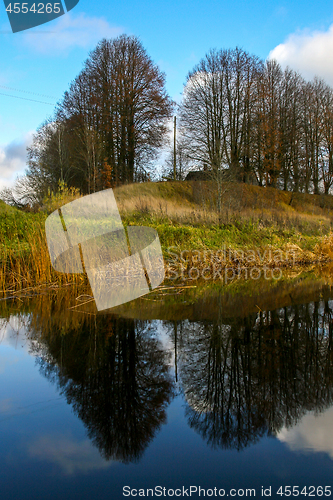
[255, 227]
[195, 300]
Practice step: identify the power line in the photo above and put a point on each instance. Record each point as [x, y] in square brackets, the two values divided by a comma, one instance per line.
[26, 99]
[26, 92]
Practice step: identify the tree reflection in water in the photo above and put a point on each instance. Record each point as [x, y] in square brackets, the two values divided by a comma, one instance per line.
[244, 374]
[244, 378]
[115, 375]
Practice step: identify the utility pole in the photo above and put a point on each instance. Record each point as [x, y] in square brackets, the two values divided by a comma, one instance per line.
[174, 149]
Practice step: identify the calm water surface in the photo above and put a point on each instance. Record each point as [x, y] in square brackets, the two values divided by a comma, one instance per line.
[213, 387]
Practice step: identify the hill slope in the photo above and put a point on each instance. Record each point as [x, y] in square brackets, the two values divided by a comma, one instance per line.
[255, 227]
[185, 213]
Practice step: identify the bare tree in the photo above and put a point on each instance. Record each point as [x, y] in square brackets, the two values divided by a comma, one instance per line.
[217, 115]
[108, 127]
[217, 110]
[290, 126]
[326, 154]
[312, 120]
[120, 94]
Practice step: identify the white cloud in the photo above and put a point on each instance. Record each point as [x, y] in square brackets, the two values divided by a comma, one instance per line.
[69, 455]
[314, 433]
[13, 334]
[13, 159]
[310, 53]
[69, 32]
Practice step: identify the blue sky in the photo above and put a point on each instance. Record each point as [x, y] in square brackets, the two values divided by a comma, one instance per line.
[44, 60]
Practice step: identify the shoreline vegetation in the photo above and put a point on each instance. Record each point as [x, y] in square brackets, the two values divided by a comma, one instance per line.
[256, 228]
[178, 301]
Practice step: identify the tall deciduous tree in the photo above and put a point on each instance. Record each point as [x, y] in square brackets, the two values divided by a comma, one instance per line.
[252, 122]
[120, 94]
[109, 125]
[218, 110]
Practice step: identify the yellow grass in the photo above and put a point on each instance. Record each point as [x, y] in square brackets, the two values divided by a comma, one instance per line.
[184, 214]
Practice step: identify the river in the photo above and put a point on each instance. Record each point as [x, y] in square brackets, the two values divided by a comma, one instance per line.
[224, 388]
